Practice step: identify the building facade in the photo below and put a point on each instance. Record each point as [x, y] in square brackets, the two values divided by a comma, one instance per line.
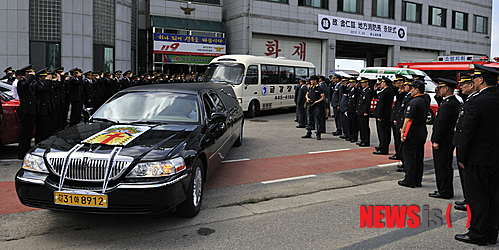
[183, 36]
[357, 29]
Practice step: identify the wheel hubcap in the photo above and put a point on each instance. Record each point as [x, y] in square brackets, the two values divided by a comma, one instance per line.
[197, 187]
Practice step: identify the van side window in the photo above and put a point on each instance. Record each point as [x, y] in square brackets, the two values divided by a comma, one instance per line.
[270, 74]
[252, 74]
[287, 74]
[301, 72]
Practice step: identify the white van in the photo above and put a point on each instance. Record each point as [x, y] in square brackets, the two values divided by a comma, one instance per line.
[260, 83]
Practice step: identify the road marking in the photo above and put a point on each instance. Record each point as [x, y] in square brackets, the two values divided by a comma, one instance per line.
[327, 151]
[6, 160]
[246, 159]
[390, 164]
[289, 179]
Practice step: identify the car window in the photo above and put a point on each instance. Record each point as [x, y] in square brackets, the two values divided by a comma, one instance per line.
[151, 106]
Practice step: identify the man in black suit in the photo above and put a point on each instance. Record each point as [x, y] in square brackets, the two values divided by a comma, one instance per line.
[362, 110]
[441, 138]
[125, 82]
[301, 110]
[44, 110]
[335, 103]
[382, 114]
[478, 156]
[468, 90]
[75, 83]
[27, 109]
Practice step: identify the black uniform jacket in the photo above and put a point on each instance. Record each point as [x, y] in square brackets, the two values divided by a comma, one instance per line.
[43, 101]
[75, 89]
[417, 110]
[352, 99]
[26, 95]
[445, 120]
[300, 99]
[384, 104]
[479, 143]
[364, 101]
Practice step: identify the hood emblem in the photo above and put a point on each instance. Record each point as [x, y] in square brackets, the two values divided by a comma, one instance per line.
[117, 135]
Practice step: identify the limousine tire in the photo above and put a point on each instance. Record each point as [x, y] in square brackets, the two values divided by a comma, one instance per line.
[239, 140]
[430, 117]
[191, 206]
[252, 109]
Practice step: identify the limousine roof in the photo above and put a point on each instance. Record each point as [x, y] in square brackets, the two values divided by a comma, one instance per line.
[250, 59]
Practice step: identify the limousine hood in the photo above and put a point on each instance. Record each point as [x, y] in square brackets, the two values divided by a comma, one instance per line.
[147, 142]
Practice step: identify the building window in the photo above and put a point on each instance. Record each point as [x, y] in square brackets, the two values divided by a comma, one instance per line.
[352, 6]
[437, 16]
[411, 12]
[314, 3]
[278, 1]
[481, 24]
[103, 58]
[459, 20]
[45, 55]
[383, 8]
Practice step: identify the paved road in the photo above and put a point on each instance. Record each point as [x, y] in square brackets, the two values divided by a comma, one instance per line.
[248, 204]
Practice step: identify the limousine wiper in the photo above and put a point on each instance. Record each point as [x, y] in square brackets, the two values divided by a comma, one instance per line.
[103, 120]
[150, 122]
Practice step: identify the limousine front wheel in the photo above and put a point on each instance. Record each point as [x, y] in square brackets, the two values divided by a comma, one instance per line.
[191, 206]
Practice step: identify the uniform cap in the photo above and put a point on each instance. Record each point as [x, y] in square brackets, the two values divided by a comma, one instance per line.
[73, 70]
[42, 72]
[447, 82]
[337, 76]
[464, 77]
[484, 70]
[28, 68]
[118, 72]
[417, 83]
[418, 77]
[59, 70]
[88, 73]
[387, 80]
[127, 72]
[408, 81]
[352, 79]
[364, 79]
[7, 69]
[399, 77]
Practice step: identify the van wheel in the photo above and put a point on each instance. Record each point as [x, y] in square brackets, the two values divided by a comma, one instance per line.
[191, 206]
[430, 117]
[252, 110]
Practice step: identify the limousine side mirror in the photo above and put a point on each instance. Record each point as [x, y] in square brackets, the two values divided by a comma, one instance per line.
[217, 117]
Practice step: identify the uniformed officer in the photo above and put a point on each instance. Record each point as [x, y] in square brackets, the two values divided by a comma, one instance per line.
[441, 138]
[344, 88]
[382, 114]
[413, 135]
[478, 156]
[470, 89]
[44, 110]
[400, 116]
[301, 110]
[27, 109]
[362, 110]
[75, 86]
[125, 81]
[324, 85]
[398, 89]
[315, 99]
[335, 103]
[88, 86]
[352, 110]
[9, 74]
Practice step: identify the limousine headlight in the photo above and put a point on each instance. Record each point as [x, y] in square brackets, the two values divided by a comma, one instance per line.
[158, 168]
[34, 163]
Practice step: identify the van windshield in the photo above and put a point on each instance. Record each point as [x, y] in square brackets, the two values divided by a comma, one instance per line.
[225, 72]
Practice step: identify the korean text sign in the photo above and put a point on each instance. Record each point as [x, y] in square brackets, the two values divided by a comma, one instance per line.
[347, 26]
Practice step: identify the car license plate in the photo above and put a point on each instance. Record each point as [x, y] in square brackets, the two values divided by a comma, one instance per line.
[80, 200]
